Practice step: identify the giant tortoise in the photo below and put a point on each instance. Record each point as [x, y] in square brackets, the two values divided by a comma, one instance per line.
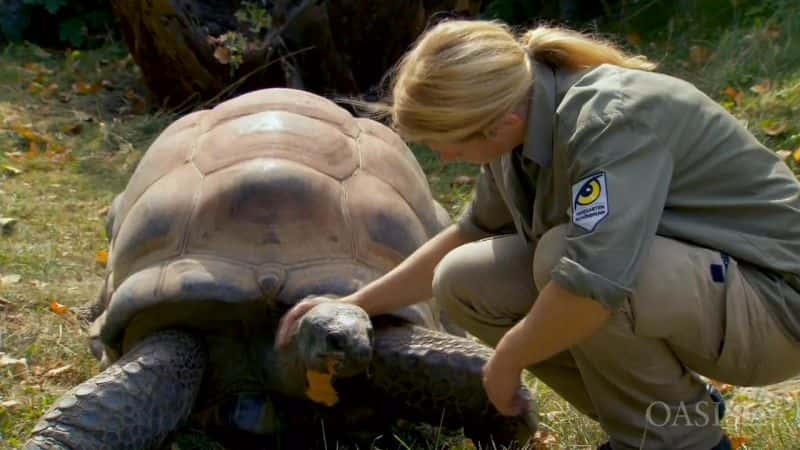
[233, 215]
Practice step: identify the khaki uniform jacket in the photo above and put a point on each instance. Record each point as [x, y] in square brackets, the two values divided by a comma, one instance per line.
[622, 155]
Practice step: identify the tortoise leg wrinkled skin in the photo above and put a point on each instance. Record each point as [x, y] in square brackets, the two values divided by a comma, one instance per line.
[133, 404]
[437, 378]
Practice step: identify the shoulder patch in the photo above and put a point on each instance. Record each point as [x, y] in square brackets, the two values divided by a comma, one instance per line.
[590, 201]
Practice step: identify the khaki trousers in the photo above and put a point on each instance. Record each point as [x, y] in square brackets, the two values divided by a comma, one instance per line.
[638, 375]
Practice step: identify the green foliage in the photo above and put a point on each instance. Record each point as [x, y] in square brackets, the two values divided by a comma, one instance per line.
[231, 47]
[52, 6]
[255, 15]
[55, 22]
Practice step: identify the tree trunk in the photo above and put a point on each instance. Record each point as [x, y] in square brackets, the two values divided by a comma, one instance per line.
[197, 50]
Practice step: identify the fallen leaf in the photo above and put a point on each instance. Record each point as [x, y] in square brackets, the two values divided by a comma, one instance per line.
[83, 117]
[10, 279]
[7, 224]
[39, 88]
[33, 150]
[35, 87]
[37, 69]
[11, 170]
[59, 157]
[542, 440]
[723, 388]
[58, 371]
[40, 52]
[635, 39]
[10, 118]
[102, 258]
[783, 154]
[735, 94]
[55, 147]
[775, 129]
[85, 88]
[58, 308]
[774, 32]
[50, 90]
[138, 103]
[6, 361]
[762, 88]
[223, 55]
[699, 55]
[463, 180]
[28, 133]
[9, 404]
[737, 442]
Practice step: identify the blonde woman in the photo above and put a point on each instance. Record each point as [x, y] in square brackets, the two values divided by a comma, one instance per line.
[626, 232]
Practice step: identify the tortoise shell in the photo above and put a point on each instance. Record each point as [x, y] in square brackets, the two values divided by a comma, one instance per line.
[263, 200]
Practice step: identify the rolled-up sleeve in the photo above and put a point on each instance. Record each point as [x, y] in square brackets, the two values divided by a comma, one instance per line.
[620, 175]
[487, 214]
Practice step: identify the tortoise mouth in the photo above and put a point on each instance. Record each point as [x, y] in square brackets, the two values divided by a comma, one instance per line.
[342, 363]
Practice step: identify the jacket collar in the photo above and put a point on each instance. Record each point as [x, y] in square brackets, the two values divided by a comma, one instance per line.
[549, 87]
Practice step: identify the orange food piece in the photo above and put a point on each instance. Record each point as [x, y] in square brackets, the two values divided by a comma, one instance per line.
[320, 389]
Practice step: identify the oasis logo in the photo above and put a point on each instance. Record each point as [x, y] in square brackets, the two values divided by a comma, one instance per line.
[590, 201]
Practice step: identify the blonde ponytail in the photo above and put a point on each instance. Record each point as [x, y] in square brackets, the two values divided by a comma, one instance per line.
[463, 76]
[561, 47]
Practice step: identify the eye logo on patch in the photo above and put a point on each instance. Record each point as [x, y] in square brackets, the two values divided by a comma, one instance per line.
[589, 192]
[590, 201]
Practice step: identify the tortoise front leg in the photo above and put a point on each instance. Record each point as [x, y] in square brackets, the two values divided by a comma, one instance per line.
[133, 404]
[437, 377]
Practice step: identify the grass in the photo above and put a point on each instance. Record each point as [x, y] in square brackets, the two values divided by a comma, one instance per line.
[87, 147]
[91, 128]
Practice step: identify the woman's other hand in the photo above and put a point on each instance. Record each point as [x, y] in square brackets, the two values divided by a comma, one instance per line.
[503, 385]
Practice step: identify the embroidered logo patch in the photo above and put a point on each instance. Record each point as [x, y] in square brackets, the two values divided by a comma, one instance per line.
[590, 201]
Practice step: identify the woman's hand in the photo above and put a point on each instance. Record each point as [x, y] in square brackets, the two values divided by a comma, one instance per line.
[291, 320]
[503, 384]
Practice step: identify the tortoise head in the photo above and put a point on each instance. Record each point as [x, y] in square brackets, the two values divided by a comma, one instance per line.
[335, 338]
